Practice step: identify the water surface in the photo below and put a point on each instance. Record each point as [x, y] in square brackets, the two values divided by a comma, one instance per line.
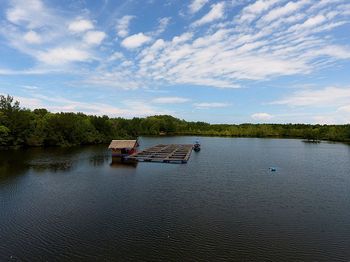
[224, 204]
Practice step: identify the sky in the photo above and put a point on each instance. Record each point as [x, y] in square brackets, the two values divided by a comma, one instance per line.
[233, 61]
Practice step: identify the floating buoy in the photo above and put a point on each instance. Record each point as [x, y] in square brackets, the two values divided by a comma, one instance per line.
[197, 146]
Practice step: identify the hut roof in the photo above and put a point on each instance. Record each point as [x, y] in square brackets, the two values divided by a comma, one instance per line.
[119, 144]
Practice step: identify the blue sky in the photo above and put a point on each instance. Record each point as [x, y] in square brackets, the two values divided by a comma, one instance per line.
[274, 61]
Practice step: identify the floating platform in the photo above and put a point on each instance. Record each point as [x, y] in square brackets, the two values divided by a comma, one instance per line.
[172, 153]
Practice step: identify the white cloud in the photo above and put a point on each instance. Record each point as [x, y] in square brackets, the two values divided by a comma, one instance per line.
[332, 51]
[196, 5]
[227, 52]
[123, 25]
[329, 96]
[61, 104]
[209, 61]
[285, 10]
[30, 87]
[135, 41]
[94, 37]
[142, 108]
[259, 6]
[32, 37]
[314, 21]
[80, 25]
[116, 56]
[210, 105]
[163, 24]
[170, 100]
[29, 13]
[216, 12]
[32, 71]
[58, 56]
[55, 45]
[120, 77]
[330, 119]
[31, 103]
[333, 100]
[261, 116]
[182, 38]
[344, 109]
[252, 11]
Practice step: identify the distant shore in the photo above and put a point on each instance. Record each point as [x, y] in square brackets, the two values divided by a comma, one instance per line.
[21, 127]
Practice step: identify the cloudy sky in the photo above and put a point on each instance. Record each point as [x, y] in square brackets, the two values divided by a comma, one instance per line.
[233, 61]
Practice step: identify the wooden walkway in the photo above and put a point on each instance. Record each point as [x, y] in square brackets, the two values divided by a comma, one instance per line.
[172, 153]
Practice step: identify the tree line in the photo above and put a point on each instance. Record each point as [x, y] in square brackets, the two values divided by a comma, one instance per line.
[24, 127]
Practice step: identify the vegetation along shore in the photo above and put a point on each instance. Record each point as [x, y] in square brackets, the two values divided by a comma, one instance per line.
[21, 127]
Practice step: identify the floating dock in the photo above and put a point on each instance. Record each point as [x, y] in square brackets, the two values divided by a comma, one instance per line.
[172, 153]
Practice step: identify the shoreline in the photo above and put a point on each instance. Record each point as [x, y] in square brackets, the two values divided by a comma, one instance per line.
[302, 139]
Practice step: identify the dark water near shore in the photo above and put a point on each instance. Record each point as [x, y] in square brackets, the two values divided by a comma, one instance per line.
[225, 204]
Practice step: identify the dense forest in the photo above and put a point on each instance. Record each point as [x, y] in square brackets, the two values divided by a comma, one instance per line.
[23, 127]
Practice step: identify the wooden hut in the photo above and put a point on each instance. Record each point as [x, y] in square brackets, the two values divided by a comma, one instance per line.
[123, 148]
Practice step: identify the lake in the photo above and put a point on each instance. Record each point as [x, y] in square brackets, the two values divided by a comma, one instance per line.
[64, 204]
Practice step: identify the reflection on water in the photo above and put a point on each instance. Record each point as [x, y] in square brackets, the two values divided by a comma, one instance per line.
[118, 162]
[15, 162]
[77, 204]
[123, 164]
[99, 160]
[54, 166]
[12, 164]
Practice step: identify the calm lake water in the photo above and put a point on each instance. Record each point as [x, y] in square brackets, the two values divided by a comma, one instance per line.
[224, 204]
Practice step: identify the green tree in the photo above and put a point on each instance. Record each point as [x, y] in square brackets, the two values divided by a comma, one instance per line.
[4, 135]
[17, 120]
